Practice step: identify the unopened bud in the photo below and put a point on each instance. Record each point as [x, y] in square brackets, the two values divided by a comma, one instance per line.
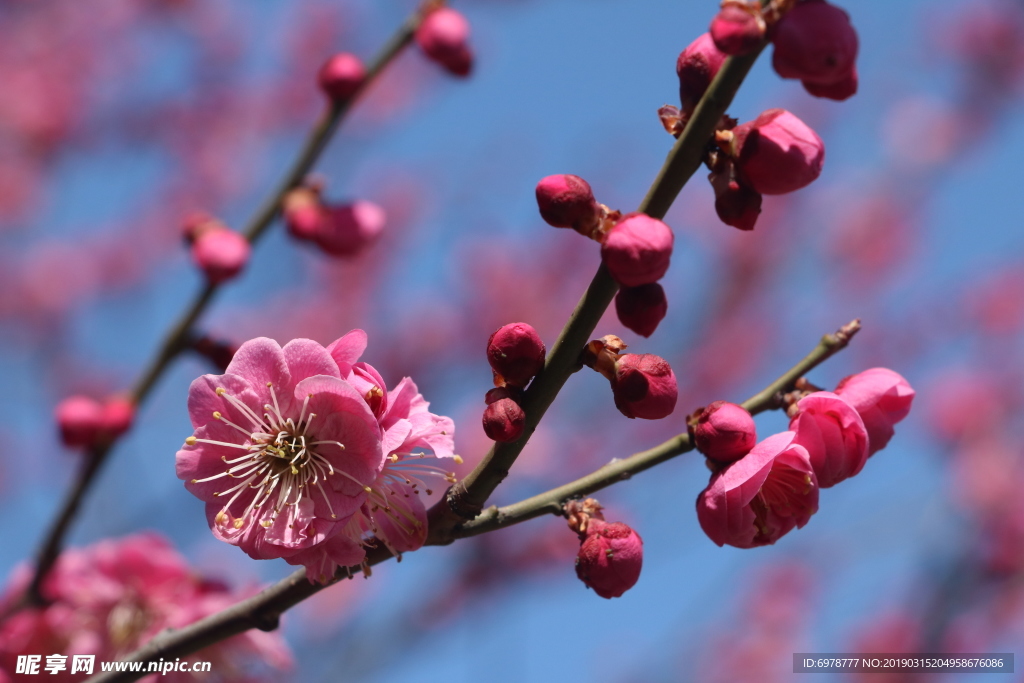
[644, 386]
[221, 254]
[516, 352]
[504, 420]
[724, 432]
[637, 250]
[738, 28]
[815, 43]
[566, 201]
[341, 76]
[641, 308]
[778, 153]
[444, 38]
[348, 229]
[610, 558]
[696, 68]
[79, 419]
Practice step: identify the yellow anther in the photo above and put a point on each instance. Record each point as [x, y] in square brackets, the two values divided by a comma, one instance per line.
[220, 391]
[190, 441]
[368, 489]
[266, 523]
[457, 459]
[221, 518]
[270, 384]
[217, 415]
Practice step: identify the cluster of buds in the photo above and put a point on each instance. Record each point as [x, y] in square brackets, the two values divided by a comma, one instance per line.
[643, 384]
[776, 153]
[636, 249]
[761, 491]
[84, 422]
[611, 554]
[343, 230]
[443, 35]
[218, 251]
[516, 354]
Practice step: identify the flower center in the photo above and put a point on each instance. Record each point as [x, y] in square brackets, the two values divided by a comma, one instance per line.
[282, 462]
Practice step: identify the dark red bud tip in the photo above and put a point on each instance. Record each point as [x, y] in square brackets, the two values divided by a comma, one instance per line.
[566, 201]
[341, 76]
[516, 352]
[738, 28]
[641, 308]
[724, 432]
[644, 386]
[610, 558]
[504, 420]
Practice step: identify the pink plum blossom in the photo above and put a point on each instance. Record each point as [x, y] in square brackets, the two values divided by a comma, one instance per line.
[610, 558]
[833, 434]
[284, 453]
[761, 497]
[882, 398]
[110, 598]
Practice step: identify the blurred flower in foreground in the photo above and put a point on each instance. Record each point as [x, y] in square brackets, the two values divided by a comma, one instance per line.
[111, 597]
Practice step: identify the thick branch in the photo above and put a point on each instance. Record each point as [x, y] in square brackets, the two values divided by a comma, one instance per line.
[551, 502]
[466, 499]
[176, 339]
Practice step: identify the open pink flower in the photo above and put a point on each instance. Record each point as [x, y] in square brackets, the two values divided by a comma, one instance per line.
[394, 511]
[761, 497]
[882, 398]
[833, 434]
[283, 454]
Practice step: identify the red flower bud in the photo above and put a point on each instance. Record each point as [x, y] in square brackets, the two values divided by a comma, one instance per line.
[341, 76]
[220, 253]
[725, 432]
[815, 43]
[637, 250]
[737, 28]
[696, 68]
[566, 201]
[516, 352]
[641, 308]
[610, 558]
[644, 386]
[840, 90]
[504, 420]
[116, 417]
[736, 204]
[443, 36]
[778, 153]
[79, 419]
[348, 229]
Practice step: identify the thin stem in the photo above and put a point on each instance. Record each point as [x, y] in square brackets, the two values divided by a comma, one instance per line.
[551, 502]
[264, 610]
[466, 499]
[176, 339]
